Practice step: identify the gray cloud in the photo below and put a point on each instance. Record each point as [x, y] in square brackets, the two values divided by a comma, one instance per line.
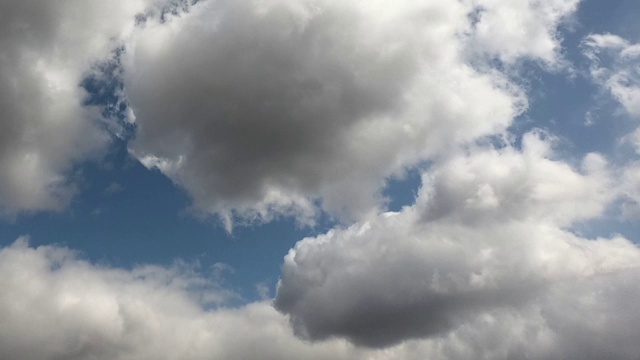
[488, 235]
[260, 109]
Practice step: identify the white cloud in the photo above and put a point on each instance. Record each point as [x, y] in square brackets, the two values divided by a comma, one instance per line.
[515, 29]
[614, 66]
[484, 264]
[47, 49]
[259, 109]
[56, 306]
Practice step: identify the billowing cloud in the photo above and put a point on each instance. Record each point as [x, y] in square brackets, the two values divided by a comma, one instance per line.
[56, 306]
[47, 49]
[271, 108]
[488, 238]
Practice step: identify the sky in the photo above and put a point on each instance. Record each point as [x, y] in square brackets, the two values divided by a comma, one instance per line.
[319, 179]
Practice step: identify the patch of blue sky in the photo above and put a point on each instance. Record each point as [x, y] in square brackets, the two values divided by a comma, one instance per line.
[612, 224]
[619, 17]
[402, 190]
[566, 102]
[126, 215]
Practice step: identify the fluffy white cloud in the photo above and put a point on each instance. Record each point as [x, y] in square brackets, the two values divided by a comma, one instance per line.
[47, 49]
[484, 263]
[56, 306]
[514, 29]
[258, 108]
[614, 65]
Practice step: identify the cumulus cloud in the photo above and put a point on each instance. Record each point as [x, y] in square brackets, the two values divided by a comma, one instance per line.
[513, 30]
[488, 243]
[47, 49]
[259, 109]
[53, 305]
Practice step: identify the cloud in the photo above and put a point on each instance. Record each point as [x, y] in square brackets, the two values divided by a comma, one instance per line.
[54, 305]
[630, 191]
[48, 47]
[513, 30]
[488, 243]
[259, 109]
[614, 66]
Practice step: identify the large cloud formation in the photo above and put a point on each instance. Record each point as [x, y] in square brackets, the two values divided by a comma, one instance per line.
[488, 240]
[48, 47]
[261, 108]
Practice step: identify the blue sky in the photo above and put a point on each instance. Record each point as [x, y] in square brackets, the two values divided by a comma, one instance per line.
[438, 185]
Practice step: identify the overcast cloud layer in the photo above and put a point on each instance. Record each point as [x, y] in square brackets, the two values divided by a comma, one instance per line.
[259, 109]
[291, 102]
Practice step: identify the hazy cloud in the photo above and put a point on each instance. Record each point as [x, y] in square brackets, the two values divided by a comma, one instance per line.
[614, 66]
